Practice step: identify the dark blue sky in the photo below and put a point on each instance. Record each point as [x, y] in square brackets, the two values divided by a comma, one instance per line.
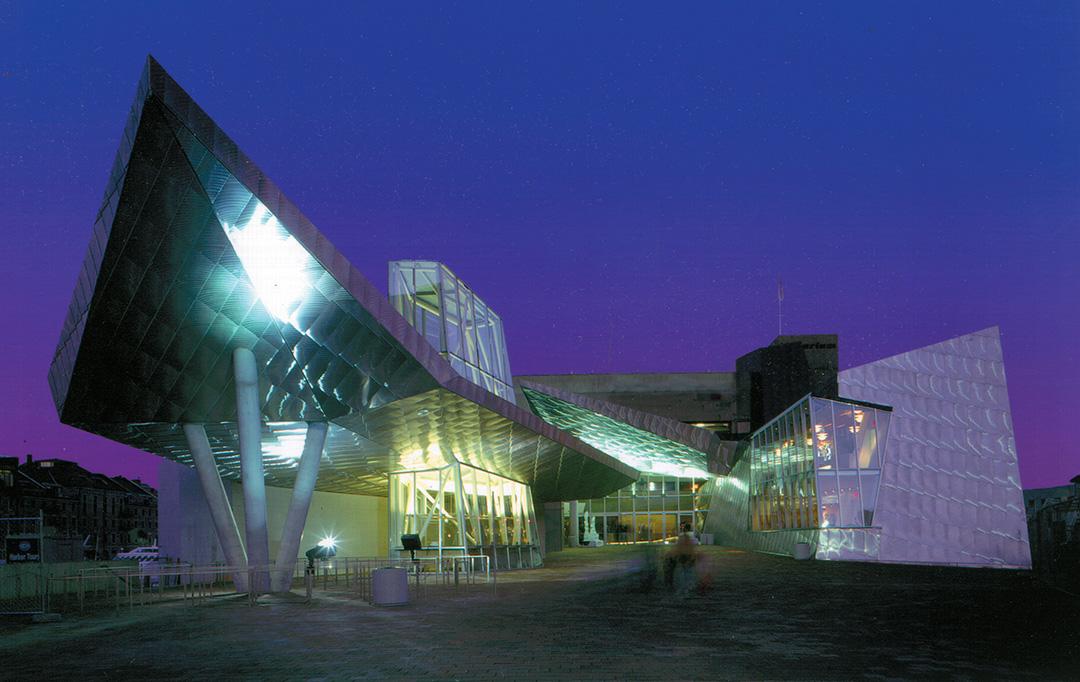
[623, 184]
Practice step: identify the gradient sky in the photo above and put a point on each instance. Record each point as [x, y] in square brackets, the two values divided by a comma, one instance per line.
[624, 185]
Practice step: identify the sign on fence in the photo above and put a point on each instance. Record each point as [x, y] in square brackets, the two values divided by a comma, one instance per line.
[22, 549]
[22, 577]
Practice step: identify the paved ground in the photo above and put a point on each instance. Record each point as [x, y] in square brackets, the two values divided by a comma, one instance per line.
[587, 615]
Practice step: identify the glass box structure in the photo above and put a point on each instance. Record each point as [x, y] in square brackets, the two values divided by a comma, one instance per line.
[654, 509]
[458, 511]
[817, 465]
[455, 321]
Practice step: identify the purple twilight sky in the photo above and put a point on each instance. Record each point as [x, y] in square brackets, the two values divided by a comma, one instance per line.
[623, 184]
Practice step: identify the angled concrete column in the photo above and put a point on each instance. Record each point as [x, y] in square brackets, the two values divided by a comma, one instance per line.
[306, 474]
[249, 425]
[220, 511]
[574, 542]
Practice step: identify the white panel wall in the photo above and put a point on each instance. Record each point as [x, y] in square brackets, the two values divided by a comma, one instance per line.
[950, 490]
[186, 532]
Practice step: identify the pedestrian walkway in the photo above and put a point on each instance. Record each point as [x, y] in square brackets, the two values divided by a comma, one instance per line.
[588, 615]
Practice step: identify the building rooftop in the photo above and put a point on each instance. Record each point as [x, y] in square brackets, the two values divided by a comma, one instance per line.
[195, 253]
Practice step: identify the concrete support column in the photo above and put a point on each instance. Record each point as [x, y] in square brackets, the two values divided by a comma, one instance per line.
[306, 474]
[574, 539]
[220, 511]
[553, 526]
[249, 425]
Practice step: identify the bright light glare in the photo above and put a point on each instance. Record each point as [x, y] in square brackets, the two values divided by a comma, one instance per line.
[328, 541]
[288, 440]
[273, 259]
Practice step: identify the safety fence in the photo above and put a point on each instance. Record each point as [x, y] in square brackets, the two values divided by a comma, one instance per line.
[423, 571]
[105, 588]
[22, 578]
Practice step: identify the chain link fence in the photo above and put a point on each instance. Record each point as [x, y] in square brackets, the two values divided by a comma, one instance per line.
[22, 574]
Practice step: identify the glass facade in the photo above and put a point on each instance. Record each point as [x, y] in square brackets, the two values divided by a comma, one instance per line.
[455, 321]
[653, 509]
[459, 510]
[817, 465]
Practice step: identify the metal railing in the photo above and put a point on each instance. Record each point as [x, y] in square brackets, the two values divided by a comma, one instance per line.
[108, 587]
[356, 573]
[103, 588]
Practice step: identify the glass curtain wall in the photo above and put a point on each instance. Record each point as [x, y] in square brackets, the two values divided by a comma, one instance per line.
[783, 489]
[458, 510]
[455, 321]
[653, 509]
[849, 441]
[817, 465]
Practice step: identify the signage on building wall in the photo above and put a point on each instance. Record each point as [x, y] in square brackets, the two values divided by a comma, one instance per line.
[22, 549]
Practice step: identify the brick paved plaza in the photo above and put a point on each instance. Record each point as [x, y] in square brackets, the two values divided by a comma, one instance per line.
[586, 615]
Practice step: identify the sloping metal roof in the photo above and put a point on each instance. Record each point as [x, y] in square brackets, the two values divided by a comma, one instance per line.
[647, 442]
[195, 252]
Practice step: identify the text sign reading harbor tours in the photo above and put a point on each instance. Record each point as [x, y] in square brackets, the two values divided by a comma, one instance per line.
[22, 549]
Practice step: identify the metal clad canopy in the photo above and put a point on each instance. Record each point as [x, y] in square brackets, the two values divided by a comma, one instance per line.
[644, 441]
[195, 252]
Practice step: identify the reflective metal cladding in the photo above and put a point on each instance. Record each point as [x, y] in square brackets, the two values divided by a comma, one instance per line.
[647, 442]
[933, 480]
[195, 252]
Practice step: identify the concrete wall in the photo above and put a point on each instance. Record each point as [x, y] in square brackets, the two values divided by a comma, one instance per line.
[682, 396]
[186, 532]
[185, 529]
[358, 522]
[550, 521]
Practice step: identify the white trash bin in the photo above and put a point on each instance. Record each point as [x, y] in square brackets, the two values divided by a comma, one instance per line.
[802, 551]
[389, 586]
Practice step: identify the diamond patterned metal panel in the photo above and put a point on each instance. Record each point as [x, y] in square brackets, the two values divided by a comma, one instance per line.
[195, 252]
[950, 489]
[75, 322]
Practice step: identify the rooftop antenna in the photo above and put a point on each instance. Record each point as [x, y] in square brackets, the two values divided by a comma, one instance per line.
[779, 307]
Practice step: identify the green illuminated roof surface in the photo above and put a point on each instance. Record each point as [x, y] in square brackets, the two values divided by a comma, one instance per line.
[644, 441]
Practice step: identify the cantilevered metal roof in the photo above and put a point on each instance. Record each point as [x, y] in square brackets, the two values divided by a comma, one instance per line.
[647, 442]
[195, 252]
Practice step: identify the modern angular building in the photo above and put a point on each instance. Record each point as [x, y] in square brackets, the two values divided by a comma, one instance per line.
[915, 464]
[213, 325]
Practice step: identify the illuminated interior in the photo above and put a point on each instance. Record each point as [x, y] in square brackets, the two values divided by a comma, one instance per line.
[458, 510]
[653, 509]
[817, 465]
[455, 321]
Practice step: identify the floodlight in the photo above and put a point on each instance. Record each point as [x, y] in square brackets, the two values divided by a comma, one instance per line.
[321, 552]
[411, 542]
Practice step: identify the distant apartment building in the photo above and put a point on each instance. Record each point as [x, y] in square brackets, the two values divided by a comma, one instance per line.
[1054, 530]
[86, 515]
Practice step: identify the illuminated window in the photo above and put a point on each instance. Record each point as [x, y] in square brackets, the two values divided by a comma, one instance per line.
[817, 465]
